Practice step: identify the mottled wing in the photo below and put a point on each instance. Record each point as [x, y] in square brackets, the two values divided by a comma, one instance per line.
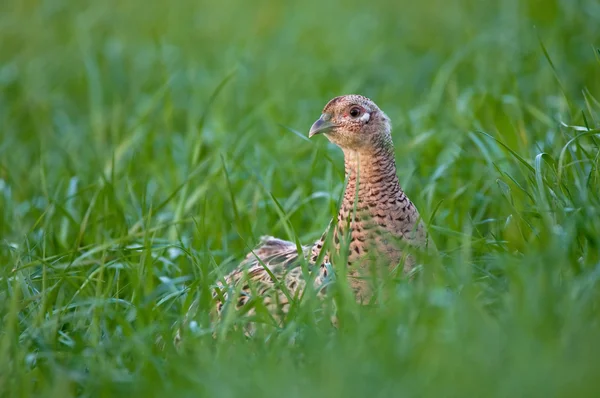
[272, 271]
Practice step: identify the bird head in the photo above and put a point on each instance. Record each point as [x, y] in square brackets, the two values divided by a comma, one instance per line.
[354, 123]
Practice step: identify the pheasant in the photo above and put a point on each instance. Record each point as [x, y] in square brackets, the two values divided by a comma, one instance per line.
[375, 222]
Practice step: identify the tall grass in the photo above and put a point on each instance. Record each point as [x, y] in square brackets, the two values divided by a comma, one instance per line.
[146, 147]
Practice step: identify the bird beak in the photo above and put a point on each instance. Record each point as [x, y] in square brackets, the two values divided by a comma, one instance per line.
[320, 126]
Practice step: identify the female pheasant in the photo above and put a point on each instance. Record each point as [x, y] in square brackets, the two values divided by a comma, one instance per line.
[375, 222]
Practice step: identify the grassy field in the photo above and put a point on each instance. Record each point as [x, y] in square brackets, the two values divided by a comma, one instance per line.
[145, 146]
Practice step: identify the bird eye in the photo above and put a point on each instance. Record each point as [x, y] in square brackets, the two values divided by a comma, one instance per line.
[355, 112]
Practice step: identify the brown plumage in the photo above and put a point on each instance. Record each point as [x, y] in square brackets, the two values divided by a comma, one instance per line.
[375, 221]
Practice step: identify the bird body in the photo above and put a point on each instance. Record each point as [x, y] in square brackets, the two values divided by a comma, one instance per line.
[375, 222]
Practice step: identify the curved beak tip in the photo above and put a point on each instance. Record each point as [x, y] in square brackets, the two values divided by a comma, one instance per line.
[319, 127]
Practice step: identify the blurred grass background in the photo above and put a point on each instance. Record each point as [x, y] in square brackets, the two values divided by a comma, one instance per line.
[143, 143]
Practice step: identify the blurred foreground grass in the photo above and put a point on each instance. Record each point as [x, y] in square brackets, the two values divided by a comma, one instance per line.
[142, 144]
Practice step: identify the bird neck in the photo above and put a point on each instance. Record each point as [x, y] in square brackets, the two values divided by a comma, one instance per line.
[370, 172]
[372, 193]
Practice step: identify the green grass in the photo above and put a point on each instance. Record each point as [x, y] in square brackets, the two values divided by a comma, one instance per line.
[146, 147]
